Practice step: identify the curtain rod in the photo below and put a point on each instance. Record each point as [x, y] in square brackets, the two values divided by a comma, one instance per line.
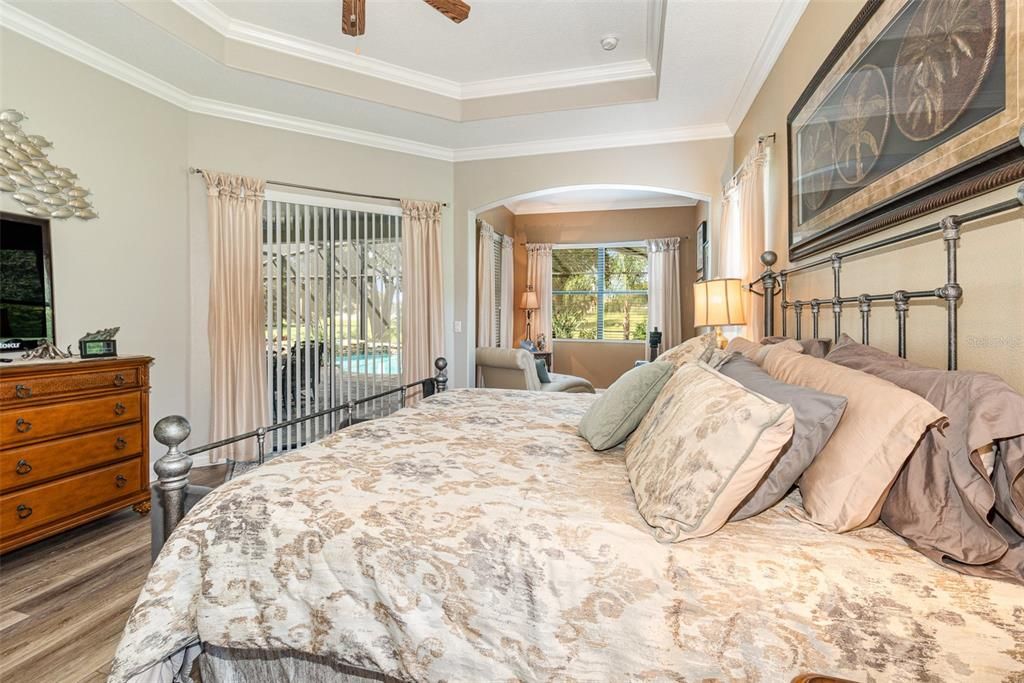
[281, 183]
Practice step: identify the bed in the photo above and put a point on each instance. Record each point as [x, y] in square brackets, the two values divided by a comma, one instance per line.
[476, 536]
[402, 547]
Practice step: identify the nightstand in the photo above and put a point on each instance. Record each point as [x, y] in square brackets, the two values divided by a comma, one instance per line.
[546, 355]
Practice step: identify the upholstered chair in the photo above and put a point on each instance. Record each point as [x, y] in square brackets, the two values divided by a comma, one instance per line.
[517, 369]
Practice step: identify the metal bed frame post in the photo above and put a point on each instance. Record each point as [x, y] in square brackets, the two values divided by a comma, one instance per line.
[837, 301]
[952, 291]
[172, 469]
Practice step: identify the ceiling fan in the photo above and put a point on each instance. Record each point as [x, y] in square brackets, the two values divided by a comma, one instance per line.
[353, 13]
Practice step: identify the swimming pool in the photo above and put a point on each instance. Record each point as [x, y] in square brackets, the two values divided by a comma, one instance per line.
[369, 363]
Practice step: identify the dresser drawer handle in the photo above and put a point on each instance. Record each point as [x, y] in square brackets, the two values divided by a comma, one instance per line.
[23, 425]
[22, 391]
[120, 444]
[121, 481]
[119, 408]
[24, 512]
[118, 380]
[23, 467]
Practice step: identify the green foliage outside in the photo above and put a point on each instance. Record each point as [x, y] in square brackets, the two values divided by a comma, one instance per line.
[580, 280]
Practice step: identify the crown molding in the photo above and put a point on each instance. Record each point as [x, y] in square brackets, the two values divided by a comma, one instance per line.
[775, 40]
[660, 203]
[639, 138]
[267, 38]
[48, 36]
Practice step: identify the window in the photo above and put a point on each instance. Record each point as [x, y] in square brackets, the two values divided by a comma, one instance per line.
[332, 284]
[599, 292]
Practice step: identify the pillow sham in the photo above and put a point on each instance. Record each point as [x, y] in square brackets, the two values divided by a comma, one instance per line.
[758, 352]
[818, 348]
[619, 409]
[844, 487]
[701, 449]
[955, 499]
[691, 350]
[817, 415]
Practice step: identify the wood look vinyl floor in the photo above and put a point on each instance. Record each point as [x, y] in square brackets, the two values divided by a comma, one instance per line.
[64, 600]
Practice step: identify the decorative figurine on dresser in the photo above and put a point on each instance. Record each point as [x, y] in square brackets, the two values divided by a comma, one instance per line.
[74, 444]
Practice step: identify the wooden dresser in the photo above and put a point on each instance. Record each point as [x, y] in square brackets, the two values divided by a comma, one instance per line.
[74, 444]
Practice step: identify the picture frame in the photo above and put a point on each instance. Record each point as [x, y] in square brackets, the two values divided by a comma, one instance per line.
[873, 143]
[702, 248]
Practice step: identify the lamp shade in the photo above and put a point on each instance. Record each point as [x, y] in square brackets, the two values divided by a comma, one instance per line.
[718, 302]
[529, 301]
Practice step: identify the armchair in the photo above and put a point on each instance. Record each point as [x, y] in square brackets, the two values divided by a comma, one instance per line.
[516, 369]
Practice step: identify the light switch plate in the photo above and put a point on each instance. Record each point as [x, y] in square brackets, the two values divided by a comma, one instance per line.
[458, 326]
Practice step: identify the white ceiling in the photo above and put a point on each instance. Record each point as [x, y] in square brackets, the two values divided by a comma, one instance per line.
[595, 198]
[715, 57]
[501, 38]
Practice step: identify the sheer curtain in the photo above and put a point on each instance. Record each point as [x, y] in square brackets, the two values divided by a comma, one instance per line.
[664, 301]
[743, 231]
[507, 292]
[422, 310]
[238, 391]
[485, 293]
[538, 274]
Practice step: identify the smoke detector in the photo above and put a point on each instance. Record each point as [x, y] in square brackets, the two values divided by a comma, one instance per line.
[609, 43]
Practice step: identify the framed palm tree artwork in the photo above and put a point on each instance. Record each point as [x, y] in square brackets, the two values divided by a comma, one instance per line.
[917, 107]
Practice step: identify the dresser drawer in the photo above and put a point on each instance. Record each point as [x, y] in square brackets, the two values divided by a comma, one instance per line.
[30, 465]
[29, 508]
[15, 389]
[25, 425]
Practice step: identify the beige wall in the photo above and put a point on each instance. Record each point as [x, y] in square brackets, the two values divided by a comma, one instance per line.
[603, 362]
[695, 167]
[992, 310]
[501, 219]
[129, 267]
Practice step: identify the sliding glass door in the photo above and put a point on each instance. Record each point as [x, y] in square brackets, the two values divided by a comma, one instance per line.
[333, 285]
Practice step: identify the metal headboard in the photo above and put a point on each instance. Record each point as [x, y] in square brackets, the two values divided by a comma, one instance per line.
[775, 283]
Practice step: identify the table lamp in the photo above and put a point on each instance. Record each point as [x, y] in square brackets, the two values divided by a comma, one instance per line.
[718, 302]
[528, 303]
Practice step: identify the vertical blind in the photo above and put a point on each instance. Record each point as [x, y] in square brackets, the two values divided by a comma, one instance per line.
[333, 281]
[497, 317]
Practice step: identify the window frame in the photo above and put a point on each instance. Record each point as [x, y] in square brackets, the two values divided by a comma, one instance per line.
[601, 292]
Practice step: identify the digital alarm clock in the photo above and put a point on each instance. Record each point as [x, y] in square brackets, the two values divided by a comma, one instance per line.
[97, 348]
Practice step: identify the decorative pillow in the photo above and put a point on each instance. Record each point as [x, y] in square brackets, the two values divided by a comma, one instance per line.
[617, 411]
[691, 350]
[844, 487]
[817, 415]
[812, 347]
[719, 357]
[954, 500]
[542, 371]
[703, 447]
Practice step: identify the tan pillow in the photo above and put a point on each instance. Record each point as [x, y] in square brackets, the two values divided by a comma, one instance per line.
[844, 487]
[757, 352]
[691, 350]
[701, 449]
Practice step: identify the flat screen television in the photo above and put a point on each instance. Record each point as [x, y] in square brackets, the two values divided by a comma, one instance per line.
[26, 283]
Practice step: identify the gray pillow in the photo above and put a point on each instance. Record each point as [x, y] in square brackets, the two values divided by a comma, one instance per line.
[542, 371]
[619, 409]
[817, 415]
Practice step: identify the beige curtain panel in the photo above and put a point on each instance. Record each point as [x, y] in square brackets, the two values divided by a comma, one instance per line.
[664, 298]
[538, 274]
[485, 293]
[743, 231]
[234, 210]
[507, 293]
[422, 309]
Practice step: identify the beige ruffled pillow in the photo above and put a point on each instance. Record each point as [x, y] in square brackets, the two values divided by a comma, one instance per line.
[703, 446]
[844, 487]
[691, 350]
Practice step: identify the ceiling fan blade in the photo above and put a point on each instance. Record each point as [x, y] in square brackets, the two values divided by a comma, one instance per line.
[353, 17]
[456, 10]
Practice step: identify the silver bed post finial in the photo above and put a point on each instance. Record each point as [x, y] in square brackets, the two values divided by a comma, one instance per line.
[172, 469]
[768, 280]
[441, 378]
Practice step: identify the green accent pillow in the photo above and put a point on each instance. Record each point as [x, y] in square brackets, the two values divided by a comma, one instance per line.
[619, 409]
[542, 371]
